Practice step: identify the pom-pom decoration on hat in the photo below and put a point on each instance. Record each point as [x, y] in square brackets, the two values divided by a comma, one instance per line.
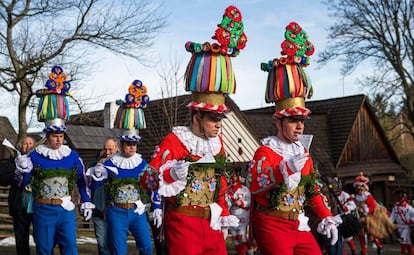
[287, 83]
[130, 115]
[361, 181]
[53, 106]
[209, 74]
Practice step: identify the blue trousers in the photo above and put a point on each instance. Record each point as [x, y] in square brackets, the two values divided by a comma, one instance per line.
[119, 222]
[54, 225]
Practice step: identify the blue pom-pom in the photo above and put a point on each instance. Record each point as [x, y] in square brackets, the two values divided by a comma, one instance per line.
[137, 83]
[51, 84]
[57, 69]
[129, 98]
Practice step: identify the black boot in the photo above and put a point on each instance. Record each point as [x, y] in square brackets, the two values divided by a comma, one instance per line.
[379, 251]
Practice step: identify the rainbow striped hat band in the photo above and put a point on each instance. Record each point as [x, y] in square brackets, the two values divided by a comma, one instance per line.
[53, 106]
[209, 74]
[287, 82]
[130, 115]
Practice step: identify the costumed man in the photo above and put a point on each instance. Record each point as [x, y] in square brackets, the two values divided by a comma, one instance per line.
[281, 174]
[239, 196]
[120, 175]
[190, 161]
[53, 169]
[328, 187]
[403, 215]
[373, 217]
[348, 203]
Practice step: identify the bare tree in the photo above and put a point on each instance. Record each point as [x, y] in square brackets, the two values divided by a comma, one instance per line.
[381, 31]
[171, 110]
[36, 34]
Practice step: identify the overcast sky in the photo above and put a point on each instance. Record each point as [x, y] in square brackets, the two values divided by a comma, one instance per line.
[196, 20]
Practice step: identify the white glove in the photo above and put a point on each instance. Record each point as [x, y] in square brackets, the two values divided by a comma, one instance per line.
[87, 214]
[297, 162]
[332, 233]
[140, 207]
[98, 172]
[86, 208]
[23, 164]
[327, 227]
[157, 216]
[179, 170]
[67, 203]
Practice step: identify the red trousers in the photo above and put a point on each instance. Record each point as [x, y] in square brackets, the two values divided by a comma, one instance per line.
[279, 236]
[189, 235]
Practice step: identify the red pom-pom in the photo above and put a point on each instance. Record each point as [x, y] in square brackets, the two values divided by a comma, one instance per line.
[222, 36]
[294, 27]
[288, 48]
[233, 13]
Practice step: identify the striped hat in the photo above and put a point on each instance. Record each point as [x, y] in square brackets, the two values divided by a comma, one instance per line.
[209, 74]
[287, 83]
[130, 115]
[53, 106]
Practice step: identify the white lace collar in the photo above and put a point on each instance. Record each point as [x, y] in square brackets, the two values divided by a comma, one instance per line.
[57, 154]
[282, 148]
[362, 197]
[126, 163]
[197, 145]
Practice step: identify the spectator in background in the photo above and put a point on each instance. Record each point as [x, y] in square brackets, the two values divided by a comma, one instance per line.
[98, 197]
[20, 205]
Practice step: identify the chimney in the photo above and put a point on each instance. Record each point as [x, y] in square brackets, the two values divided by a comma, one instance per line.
[110, 110]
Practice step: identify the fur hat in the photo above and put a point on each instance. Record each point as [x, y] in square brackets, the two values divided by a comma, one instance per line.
[209, 74]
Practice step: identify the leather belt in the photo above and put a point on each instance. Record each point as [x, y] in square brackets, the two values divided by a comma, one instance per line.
[125, 205]
[287, 215]
[53, 201]
[202, 212]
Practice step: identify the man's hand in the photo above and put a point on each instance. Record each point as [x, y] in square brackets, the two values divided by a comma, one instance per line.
[179, 170]
[23, 164]
[332, 233]
[86, 210]
[87, 214]
[157, 216]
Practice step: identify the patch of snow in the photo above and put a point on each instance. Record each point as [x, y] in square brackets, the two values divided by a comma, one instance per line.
[11, 241]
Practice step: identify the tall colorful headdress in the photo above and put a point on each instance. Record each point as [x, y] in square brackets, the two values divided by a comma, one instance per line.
[53, 106]
[361, 181]
[209, 75]
[287, 83]
[130, 115]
